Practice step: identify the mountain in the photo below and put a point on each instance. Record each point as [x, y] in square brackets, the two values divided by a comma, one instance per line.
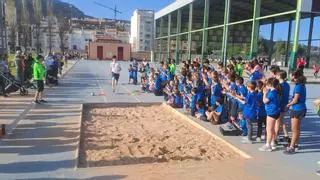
[60, 8]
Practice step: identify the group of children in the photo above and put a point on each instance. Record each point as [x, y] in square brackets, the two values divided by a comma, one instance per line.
[219, 94]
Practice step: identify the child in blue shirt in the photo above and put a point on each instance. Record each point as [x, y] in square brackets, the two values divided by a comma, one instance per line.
[233, 103]
[201, 114]
[216, 91]
[193, 101]
[285, 93]
[157, 85]
[215, 115]
[261, 111]
[130, 73]
[249, 109]
[272, 106]
[298, 107]
[242, 124]
[241, 92]
[177, 99]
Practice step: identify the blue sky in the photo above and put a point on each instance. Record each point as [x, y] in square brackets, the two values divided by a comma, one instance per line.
[128, 6]
[125, 6]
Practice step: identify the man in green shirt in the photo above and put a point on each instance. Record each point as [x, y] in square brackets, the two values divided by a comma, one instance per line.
[38, 76]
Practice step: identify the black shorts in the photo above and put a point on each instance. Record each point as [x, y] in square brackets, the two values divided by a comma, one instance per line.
[275, 116]
[298, 114]
[234, 109]
[40, 85]
[115, 76]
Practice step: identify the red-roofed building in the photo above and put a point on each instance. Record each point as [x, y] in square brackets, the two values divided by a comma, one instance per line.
[107, 46]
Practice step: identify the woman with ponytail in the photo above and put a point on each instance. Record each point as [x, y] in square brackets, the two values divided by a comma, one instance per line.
[298, 109]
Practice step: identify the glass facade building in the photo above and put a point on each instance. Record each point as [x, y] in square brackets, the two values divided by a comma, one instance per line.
[280, 30]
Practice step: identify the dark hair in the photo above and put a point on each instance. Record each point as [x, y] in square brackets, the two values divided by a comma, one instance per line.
[207, 61]
[273, 82]
[260, 84]
[114, 56]
[274, 69]
[219, 100]
[216, 80]
[240, 80]
[39, 57]
[232, 77]
[282, 74]
[298, 77]
[252, 84]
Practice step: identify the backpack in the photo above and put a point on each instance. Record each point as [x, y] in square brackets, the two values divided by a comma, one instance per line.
[228, 129]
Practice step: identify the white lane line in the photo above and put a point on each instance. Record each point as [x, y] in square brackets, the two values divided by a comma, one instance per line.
[137, 99]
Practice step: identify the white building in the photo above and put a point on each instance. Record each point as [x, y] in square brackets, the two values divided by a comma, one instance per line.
[79, 39]
[142, 30]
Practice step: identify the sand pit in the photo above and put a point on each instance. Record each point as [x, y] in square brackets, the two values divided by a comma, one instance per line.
[140, 134]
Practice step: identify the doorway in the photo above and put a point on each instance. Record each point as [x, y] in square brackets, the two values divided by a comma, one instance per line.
[120, 53]
[100, 52]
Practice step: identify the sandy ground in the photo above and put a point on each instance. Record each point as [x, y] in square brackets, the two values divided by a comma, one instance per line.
[144, 137]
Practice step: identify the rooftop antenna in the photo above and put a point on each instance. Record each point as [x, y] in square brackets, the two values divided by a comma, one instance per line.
[115, 10]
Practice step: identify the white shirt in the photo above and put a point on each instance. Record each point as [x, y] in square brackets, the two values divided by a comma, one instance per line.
[115, 67]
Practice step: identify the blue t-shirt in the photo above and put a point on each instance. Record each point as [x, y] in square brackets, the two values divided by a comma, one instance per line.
[242, 90]
[219, 109]
[157, 83]
[215, 93]
[200, 93]
[243, 126]
[193, 101]
[169, 76]
[233, 87]
[188, 88]
[273, 106]
[285, 93]
[249, 110]
[255, 76]
[178, 100]
[202, 111]
[163, 76]
[261, 111]
[181, 87]
[130, 73]
[302, 91]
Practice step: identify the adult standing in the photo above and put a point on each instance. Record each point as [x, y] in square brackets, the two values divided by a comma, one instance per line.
[115, 69]
[38, 76]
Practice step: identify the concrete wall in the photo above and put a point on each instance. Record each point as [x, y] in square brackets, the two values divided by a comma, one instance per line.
[109, 50]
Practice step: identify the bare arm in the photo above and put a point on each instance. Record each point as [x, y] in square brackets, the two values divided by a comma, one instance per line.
[294, 100]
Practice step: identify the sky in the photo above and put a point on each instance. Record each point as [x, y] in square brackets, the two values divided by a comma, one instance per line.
[128, 6]
[125, 6]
